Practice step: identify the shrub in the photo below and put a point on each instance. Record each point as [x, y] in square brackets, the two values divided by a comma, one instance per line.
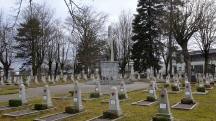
[207, 86]
[121, 96]
[187, 101]
[174, 88]
[160, 118]
[150, 99]
[94, 95]
[201, 89]
[166, 85]
[183, 84]
[71, 110]
[110, 115]
[40, 106]
[15, 103]
[72, 93]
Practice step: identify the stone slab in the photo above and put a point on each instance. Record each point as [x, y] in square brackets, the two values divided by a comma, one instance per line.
[4, 108]
[89, 99]
[174, 92]
[200, 93]
[143, 103]
[210, 88]
[107, 100]
[184, 106]
[57, 116]
[62, 98]
[98, 118]
[24, 112]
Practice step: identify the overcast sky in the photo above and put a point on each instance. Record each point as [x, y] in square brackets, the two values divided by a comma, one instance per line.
[111, 7]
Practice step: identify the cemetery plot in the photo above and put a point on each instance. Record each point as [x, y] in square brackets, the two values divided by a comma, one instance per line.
[200, 93]
[107, 100]
[57, 117]
[101, 118]
[62, 98]
[184, 106]
[143, 103]
[114, 113]
[25, 112]
[5, 108]
[174, 92]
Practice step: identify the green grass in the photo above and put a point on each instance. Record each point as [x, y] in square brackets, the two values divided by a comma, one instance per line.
[9, 90]
[205, 111]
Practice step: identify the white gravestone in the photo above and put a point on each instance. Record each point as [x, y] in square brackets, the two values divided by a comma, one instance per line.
[22, 94]
[152, 91]
[188, 92]
[47, 96]
[77, 97]
[98, 87]
[36, 80]
[164, 107]
[114, 105]
[123, 89]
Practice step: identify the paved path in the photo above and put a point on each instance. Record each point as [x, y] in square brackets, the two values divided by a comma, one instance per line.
[64, 89]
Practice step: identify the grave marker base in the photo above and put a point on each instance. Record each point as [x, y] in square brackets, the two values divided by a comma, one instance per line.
[100, 118]
[143, 103]
[107, 100]
[201, 93]
[174, 92]
[184, 106]
[25, 112]
[57, 116]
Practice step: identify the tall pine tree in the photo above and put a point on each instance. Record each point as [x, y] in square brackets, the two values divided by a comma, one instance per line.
[146, 29]
[29, 43]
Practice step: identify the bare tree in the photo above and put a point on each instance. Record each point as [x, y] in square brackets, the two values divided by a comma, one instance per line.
[34, 35]
[123, 31]
[6, 45]
[206, 36]
[184, 24]
[88, 27]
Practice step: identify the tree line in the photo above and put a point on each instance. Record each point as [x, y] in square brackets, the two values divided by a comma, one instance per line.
[159, 29]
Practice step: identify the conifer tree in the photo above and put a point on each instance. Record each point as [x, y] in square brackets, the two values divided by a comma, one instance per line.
[146, 29]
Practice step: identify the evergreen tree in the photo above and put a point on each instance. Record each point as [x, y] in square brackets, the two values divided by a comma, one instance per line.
[146, 29]
[29, 44]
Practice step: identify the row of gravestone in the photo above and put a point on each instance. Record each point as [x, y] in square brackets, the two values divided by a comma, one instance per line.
[27, 80]
[114, 110]
[165, 114]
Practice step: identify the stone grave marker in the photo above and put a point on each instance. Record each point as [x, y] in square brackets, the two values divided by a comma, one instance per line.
[123, 89]
[152, 90]
[47, 96]
[188, 92]
[114, 105]
[98, 87]
[164, 107]
[77, 99]
[22, 94]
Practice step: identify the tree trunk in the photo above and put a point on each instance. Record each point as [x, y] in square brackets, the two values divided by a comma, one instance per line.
[166, 68]
[56, 69]
[6, 71]
[187, 60]
[170, 66]
[50, 68]
[206, 56]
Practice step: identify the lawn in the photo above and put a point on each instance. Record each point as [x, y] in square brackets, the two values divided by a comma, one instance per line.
[205, 111]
